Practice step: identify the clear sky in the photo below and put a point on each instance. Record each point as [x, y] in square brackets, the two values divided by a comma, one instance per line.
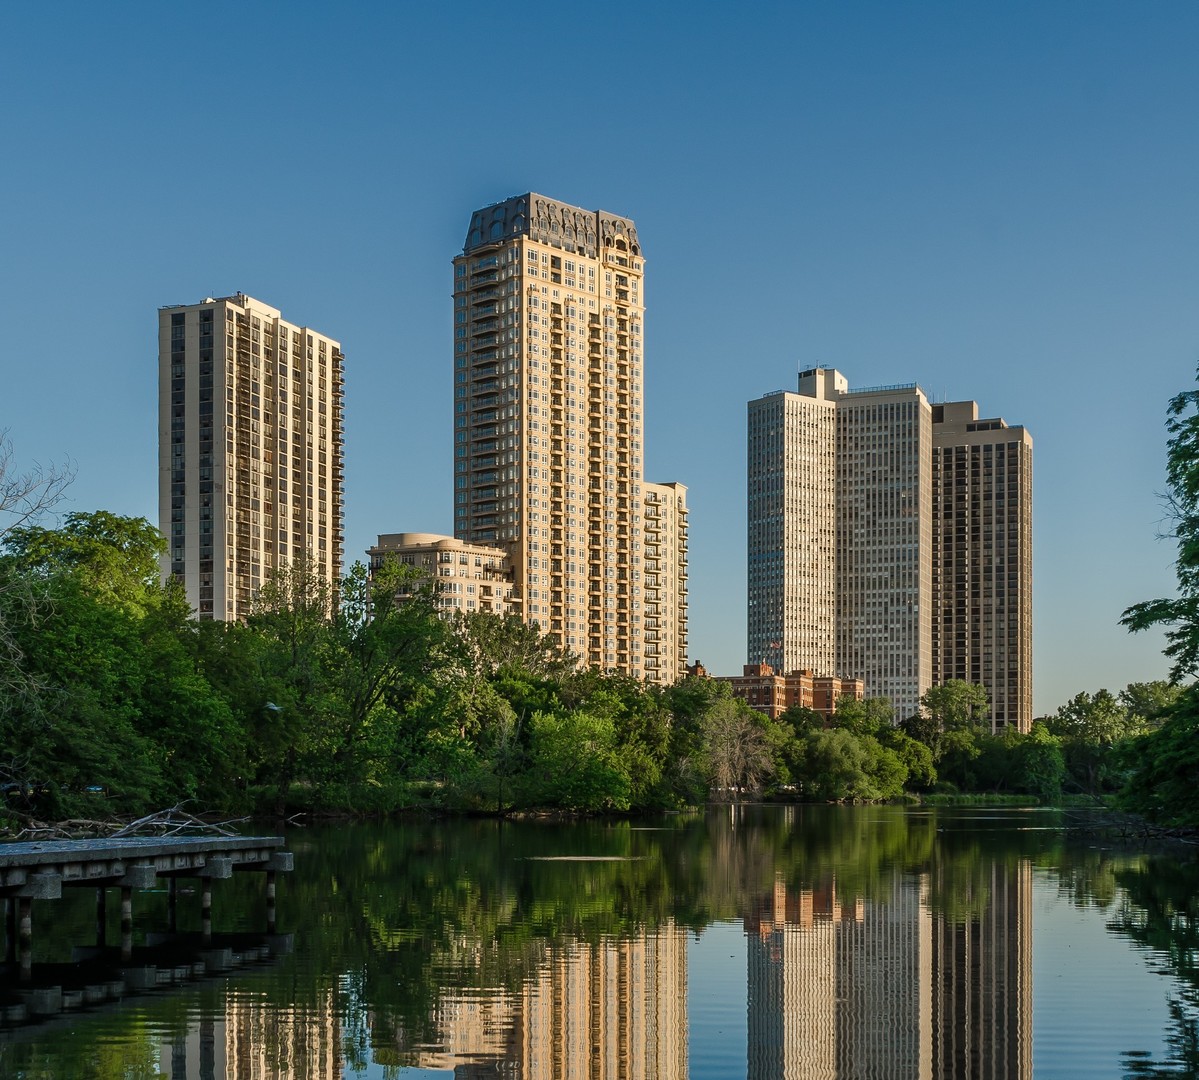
[998, 202]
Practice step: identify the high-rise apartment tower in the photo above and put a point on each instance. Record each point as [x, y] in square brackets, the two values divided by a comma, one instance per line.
[890, 540]
[548, 430]
[982, 570]
[884, 541]
[249, 450]
[792, 527]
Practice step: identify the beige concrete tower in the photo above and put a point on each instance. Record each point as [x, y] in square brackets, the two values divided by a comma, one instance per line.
[890, 540]
[548, 465]
[885, 543]
[792, 525]
[249, 449]
[664, 616]
[982, 572]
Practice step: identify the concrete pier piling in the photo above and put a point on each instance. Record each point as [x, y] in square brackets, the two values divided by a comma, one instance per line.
[40, 870]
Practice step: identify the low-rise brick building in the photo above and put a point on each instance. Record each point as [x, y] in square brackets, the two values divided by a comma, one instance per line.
[773, 694]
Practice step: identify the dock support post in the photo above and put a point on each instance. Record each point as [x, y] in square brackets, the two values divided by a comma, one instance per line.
[206, 910]
[10, 931]
[270, 901]
[101, 915]
[126, 923]
[25, 932]
[172, 904]
[207, 1047]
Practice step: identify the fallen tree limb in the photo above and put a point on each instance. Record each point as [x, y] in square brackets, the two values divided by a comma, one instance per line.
[172, 822]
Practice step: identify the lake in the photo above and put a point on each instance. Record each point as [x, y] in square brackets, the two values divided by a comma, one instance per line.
[758, 942]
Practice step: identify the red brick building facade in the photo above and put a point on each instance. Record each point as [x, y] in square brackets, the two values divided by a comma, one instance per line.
[774, 694]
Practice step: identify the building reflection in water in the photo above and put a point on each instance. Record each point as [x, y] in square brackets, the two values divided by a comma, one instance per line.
[894, 988]
[929, 979]
[613, 1009]
[616, 1009]
[259, 1040]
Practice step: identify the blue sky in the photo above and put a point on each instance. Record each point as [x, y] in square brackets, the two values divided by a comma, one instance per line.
[999, 203]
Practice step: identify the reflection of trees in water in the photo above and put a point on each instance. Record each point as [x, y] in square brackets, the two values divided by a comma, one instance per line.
[134, 1055]
[1160, 910]
[1087, 876]
[394, 920]
[1183, 1041]
[1151, 899]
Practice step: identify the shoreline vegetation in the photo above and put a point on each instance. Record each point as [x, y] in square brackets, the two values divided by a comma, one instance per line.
[334, 698]
[115, 700]
[1082, 814]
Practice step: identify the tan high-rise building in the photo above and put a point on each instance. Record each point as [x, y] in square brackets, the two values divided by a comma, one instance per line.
[664, 617]
[249, 450]
[548, 425]
[982, 574]
[890, 540]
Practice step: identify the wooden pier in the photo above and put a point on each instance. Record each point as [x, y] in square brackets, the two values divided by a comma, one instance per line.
[41, 870]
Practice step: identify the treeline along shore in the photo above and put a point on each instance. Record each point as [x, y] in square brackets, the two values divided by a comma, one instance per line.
[115, 700]
[333, 697]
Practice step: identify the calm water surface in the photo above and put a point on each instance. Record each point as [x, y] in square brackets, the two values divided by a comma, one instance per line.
[805, 942]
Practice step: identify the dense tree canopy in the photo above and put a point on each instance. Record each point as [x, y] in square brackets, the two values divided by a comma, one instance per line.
[1179, 614]
[1162, 767]
[340, 696]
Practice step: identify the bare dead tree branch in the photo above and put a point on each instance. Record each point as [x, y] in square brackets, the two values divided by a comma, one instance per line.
[25, 496]
[172, 822]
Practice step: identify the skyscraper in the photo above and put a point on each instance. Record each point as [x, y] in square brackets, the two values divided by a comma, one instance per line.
[982, 575]
[884, 541]
[249, 449]
[548, 428]
[890, 540]
[792, 527]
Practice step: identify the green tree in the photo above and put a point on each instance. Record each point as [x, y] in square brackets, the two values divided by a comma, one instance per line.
[1163, 778]
[915, 756]
[290, 619]
[1147, 702]
[684, 777]
[1041, 763]
[87, 728]
[1179, 614]
[121, 705]
[923, 729]
[378, 654]
[802, 720]
[202, 744]
[1097, 718]
[575, 762]
[737, 748]
[498, 642]
[643, 724]
[839, 766]
[866, 717]
[956, 705]
[114, 558]
[1089, 727]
